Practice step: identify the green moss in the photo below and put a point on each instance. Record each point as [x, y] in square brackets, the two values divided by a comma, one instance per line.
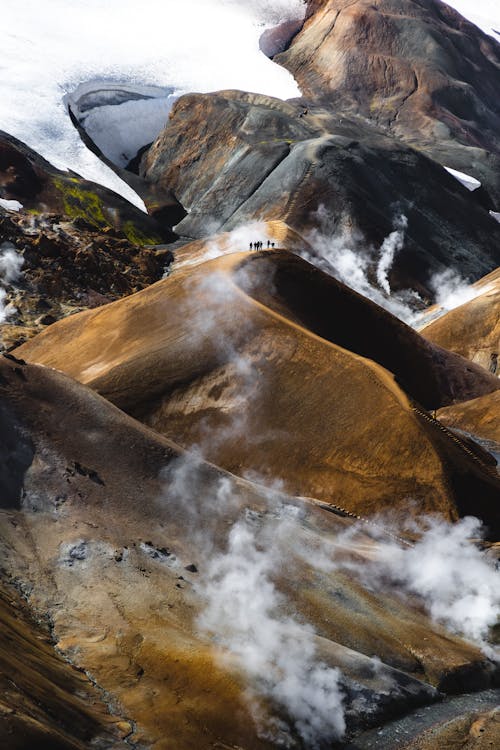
[137, 237]
[80, 203]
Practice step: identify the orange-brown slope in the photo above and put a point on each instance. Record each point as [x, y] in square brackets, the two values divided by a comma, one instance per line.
[104, 543]
[473, 329]
[204, 363]
[45, 703]
[480, 416]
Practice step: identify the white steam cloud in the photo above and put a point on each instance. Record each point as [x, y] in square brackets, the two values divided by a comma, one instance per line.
[50, 48]
[346, 256]
[10, 270]
[390, 246]
[457, 582]
[452, 290]
[244, 613]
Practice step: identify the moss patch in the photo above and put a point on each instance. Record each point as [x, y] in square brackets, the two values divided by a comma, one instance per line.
[137, 237]
[80, 203]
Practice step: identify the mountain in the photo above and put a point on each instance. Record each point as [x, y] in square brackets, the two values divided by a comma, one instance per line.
[106, 542]
[319, 172]
[415, 68]
[242, 504]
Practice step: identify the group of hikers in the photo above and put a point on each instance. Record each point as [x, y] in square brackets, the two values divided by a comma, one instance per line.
[259, 245]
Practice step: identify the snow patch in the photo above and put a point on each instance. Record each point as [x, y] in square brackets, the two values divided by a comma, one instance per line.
[483, 13]
[465, 179]
[121, 119]
[10, 205]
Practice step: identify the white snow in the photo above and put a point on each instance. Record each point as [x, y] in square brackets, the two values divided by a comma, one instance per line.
[467, 181]
[484, 13]
[49, 48]
[496, 215]
[10, 205]
[121, 119]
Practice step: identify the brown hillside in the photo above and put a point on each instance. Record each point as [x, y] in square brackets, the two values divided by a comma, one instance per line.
[202, 362]
[473, 329]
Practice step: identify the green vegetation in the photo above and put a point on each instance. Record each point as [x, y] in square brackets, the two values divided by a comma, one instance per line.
[80, 203]
[137, 237]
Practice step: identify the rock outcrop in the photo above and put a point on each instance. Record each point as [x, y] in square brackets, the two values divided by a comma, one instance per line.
[41, 188]
[416, 68]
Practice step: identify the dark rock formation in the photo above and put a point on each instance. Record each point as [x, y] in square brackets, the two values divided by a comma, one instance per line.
[67, 266]
[251, 158]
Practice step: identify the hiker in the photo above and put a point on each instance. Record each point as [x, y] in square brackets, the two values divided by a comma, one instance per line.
[251, 245]
[268, 244]
[272, 244]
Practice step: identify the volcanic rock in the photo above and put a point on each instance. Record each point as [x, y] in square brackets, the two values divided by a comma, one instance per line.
[416, 68]
[45, 701]
[80, 550]
[41, 188]
[254, 158]
[66, 268]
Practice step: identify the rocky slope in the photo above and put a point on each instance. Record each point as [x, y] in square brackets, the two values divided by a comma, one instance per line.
[60, 267]
[414, 67]
[235, 502]
[122, 575]
[317, 171]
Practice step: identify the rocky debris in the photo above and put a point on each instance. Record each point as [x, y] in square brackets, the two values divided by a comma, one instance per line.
[415, 68]
[41, 188]
[67, 267]
[263, 345]
[254, 158]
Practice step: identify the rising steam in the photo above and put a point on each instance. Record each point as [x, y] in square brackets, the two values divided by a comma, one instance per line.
[246, 614]
[10, 270]
[347, 256]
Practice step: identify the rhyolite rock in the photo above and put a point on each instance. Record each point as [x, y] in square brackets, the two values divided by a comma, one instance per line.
[111, 567]
[416, 68]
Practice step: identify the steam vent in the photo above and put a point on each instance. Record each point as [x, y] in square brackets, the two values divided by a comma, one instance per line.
[249, 375]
